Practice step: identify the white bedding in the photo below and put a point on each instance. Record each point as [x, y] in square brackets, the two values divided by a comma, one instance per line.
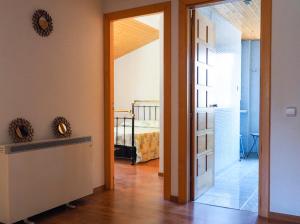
[146, 138]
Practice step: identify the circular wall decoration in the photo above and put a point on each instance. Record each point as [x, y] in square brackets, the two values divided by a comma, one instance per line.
[42, 23]
[62, 127]
[20, 130]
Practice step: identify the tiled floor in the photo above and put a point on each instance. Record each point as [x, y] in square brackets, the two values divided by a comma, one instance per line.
[235, 187]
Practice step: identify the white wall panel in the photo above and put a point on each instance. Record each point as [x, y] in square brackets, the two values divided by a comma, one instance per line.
[285, 131]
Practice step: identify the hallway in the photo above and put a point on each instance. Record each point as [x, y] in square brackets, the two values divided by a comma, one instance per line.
[138, 199]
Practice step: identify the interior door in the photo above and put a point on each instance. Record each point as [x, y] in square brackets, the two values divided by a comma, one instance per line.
[202, 104]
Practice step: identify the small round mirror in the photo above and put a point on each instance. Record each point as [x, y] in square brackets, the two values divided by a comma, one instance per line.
[22, 131]
[43, 23]
[62, 128]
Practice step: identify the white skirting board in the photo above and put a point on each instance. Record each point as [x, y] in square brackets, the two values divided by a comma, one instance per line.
[34, 180]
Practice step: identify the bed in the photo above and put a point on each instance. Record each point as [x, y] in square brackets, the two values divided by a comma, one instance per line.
[137, 131]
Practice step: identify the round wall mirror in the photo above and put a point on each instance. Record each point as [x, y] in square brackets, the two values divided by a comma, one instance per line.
[20, 130]
[62, 127]
[42, 23]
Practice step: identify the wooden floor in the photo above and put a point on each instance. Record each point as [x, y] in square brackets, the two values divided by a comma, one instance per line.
[138, 199]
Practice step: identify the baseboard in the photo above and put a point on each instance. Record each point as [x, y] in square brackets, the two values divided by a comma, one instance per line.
[99, 189]
[160, 174]
[283, 217]
[174, 199]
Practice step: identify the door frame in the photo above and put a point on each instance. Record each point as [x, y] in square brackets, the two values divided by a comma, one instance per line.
[109, 18]
[265, 103]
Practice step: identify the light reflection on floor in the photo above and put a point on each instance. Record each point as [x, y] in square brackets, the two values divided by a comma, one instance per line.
[235, 187]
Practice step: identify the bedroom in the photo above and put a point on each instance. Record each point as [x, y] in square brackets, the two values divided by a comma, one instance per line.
[138, 88]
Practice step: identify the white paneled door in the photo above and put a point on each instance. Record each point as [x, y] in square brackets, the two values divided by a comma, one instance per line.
[202, 104]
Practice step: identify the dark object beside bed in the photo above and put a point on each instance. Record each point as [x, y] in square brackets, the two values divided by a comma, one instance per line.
[123, 150]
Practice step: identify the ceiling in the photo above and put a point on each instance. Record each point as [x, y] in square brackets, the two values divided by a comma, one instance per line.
[245, 17]
[131, 34]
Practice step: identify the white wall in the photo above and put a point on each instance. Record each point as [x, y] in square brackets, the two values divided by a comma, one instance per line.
[254, 87]
[250, 91]
[115, 5]
[137, 76]
[285, 141]
[41, 78]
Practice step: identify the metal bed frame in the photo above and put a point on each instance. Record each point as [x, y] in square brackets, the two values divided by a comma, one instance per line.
[141, 110]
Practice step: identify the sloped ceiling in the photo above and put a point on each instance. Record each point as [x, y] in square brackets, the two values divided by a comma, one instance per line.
[130, 34]
[245, 17]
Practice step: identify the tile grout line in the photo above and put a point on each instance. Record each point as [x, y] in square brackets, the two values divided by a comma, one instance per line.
[241, 208]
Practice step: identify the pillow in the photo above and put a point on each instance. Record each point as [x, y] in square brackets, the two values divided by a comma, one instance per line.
[146, 124]
[141, 124]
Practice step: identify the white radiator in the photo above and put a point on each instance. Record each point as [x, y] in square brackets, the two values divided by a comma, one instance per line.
[38, 176]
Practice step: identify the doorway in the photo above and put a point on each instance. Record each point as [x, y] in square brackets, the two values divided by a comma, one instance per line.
[109, 56]
[225, 76]
[264, 113]
[138, 99]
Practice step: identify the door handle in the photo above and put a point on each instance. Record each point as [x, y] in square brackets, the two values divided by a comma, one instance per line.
[213, 105]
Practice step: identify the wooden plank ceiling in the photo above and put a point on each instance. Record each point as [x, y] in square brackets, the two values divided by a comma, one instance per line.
[245, 17]
[130, 34]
